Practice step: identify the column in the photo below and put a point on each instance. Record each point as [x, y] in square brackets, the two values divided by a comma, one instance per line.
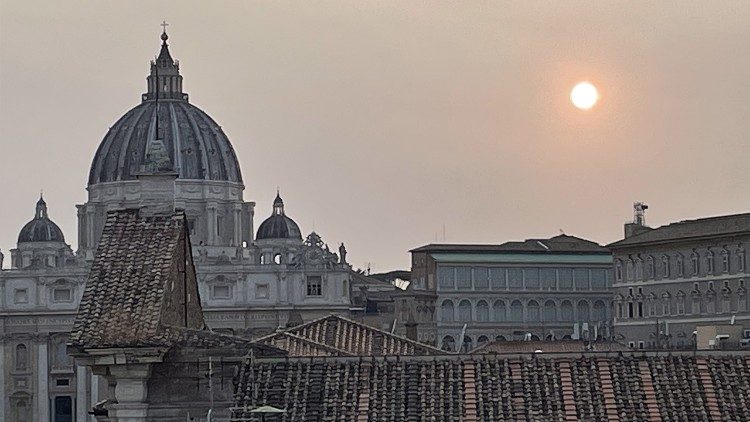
[3, 398]
[81, 402]
[94, 392]
[42, 385]
[238, 225]
[211, 238]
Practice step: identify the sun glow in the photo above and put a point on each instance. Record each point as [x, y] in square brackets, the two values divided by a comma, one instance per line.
[584, 95]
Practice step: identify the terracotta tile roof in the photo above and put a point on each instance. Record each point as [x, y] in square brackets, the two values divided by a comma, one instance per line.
[125, 295]
[557, 346]
[344, 337]
[724, 225]
[492, 388]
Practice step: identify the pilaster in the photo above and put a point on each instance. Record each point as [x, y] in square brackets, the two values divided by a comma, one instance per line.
[42, 385]
[3, 397]
[81, 407]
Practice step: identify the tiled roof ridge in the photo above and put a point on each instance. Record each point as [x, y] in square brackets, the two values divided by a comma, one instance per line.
[336, 351]
[366, 327]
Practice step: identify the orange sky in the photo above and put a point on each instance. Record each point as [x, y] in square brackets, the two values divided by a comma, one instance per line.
[383, 121]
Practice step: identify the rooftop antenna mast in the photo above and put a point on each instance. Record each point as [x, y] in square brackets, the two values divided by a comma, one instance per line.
[639, 213]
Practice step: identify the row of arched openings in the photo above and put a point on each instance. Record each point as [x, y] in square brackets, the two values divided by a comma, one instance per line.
[517, 311]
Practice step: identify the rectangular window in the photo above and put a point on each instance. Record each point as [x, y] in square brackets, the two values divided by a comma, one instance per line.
[61, 295]
[446, 277]
[62, 382]
[221, 292]
[565, 278]
[21, 296]
[261, 291]
[515, 278]
[531, 278]
[463, 278]
[549, 278]
[314, 285]
[497, 278]
[481, 278]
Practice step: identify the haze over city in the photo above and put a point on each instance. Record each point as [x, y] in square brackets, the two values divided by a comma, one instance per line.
[383, 123]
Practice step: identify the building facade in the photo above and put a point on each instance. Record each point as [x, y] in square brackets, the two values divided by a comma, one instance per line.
[538, 289]
[670, 279]
[165, 152]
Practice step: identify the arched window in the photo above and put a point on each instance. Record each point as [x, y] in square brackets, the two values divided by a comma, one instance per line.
[277, 259]
[566, 311]
[680, 265]
[468, 344]
[498, 311]
[550, 311]
[600, 311]
[483, 311]
[464, 311]
[22, 357]
[532, 311]
[516, 311]
[499, 338]
[449, 344]
[583, 311]
[665, 266]
[482, 340]
[446, 311]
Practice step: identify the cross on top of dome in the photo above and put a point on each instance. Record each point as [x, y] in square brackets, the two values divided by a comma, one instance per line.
[164, 82]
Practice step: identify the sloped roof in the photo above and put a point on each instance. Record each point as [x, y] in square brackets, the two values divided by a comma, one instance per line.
[724, 225]
[340, 336]
[124, 299]
[601, 386]
[556, 346]
[558, 244]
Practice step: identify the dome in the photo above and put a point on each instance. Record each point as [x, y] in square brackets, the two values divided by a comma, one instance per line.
[193, 143]
[278, 225]
[41, 228]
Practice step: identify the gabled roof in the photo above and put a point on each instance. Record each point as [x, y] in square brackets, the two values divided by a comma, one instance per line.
[725, 225]
[340, 336]
[558, 244]
[129, 296]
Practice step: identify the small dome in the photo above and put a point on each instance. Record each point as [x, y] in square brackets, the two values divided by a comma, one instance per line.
[278, 225]
[41, 228]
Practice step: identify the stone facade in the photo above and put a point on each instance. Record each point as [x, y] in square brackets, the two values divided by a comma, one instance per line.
[247, 287]
[538, 289]
[670, 279]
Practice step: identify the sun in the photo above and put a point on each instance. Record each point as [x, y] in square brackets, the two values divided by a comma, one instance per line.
[584, 95]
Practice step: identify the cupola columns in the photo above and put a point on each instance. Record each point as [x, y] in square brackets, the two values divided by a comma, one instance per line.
[41, 208]
[278, 204]
[164, 82]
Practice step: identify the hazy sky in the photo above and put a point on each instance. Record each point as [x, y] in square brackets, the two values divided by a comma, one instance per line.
[382, 121]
